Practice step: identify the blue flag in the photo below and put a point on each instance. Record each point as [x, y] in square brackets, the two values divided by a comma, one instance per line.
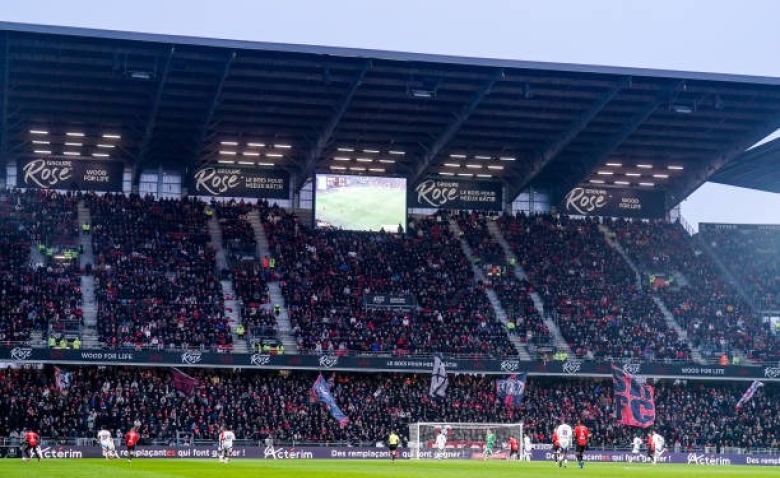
[511, 390]
[321, 390]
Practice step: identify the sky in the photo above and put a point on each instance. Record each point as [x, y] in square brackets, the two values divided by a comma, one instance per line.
[722, 36]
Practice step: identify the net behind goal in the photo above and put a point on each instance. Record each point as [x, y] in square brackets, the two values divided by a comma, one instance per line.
[422, 436]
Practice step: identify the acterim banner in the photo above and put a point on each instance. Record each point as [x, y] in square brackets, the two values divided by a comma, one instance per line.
[65, 452]
[224, 181]
[614, 202]
[70, 174]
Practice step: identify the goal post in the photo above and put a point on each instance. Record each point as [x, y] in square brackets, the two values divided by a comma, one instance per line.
[422, 436]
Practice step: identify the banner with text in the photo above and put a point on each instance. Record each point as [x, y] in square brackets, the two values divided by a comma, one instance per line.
[614, 202]
[24, 354]
[715, 226]
[389, 301]
[71, 174]
[457, 194]
[226, 181]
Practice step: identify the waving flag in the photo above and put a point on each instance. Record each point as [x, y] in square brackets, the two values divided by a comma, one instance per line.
[61, 379]
[183, 382]
[634, 402]
[511, 390]
[321, 391]
[439, 380]
[749, 393]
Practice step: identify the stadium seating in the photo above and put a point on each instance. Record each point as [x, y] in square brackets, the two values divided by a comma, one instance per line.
[257, 404]
[600, 309]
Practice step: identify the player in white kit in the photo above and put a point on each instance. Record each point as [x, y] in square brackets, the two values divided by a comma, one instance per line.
[565, 435]
[226, 438]
[106, 443]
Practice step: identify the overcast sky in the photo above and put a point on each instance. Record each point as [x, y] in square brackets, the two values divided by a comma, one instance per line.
[720, 36]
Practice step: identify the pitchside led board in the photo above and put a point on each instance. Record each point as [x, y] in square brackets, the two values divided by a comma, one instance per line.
[614, 202]
[70, 174]
[240, 182]
[457, 194]
[359, 203]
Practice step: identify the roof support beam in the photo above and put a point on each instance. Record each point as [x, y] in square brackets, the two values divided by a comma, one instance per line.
[151, 119]
[330, 128]
[554, 147]
[5, 90]
[703, 170]
[449, 132]
[608, 147]
[215, 100]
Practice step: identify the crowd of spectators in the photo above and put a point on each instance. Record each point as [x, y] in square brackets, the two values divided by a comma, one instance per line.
[248, 272]
[601, 310]
[258, 404]
[155, 274]
[716, 318]
[326, 275]
[752, 254]
[514, 293]
[42, 296]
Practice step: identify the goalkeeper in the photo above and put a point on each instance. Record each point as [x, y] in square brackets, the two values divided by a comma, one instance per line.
[490, 442]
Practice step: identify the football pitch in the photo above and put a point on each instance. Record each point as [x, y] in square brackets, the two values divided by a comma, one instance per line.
[164, 468]
[363, 208]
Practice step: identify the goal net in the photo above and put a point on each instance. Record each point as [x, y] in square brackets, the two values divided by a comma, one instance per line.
[470, 436]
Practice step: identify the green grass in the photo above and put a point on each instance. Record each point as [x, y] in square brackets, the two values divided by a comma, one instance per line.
[363, 208]
[173, 468]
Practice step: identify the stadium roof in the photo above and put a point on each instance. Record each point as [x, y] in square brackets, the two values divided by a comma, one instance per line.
[757, 168]
[182, 102]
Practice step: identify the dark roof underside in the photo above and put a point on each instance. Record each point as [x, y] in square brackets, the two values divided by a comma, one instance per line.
[183, 102]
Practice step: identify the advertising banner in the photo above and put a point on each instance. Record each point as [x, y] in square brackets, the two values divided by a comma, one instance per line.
[379, 301]
[614, 202]
[71, 174]
[457, 194]
[67, 452]
[382, 363]
[225, 181]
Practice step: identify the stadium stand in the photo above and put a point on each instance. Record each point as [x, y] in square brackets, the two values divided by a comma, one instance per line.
[600, 309]
[257, 404]
[155, 274]
[717, 319]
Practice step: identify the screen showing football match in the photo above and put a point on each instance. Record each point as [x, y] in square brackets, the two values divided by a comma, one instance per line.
[360, 203]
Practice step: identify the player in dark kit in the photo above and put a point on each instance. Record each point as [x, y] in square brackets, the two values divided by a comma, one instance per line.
[131, 440]
[581, 437]
[31, 446]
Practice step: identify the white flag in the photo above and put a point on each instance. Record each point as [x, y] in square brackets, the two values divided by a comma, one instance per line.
[439, 379]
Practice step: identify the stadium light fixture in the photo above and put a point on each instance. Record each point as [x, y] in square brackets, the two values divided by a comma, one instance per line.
[265, 164]
[605, 173]
[256, 145]
[74, 134]
[112, 136]
[251, 153]
[229, 143]
[446, 173]
[482, 157]
[227, 153]
[106, 146]
[507, 158]
[396, 153]
[364, 160]
[484, 175]
[100, 155]
[338, 168]
[474, 166]
[676, 168]
[140, 74]
[357, 168]
[38, 141]
[615, 165]
[42, 151]
[70, 143]
[466, 175]
[661, 176]
[495, 166]
[682, 109]
[644, 166]
[634, 175]
[377, 170]
[246, 163]
[647, 184]
[225, 161]
[623, 183]
[387, 161]
[421, 93]
[275, 155]
[282, 146]
[346, 150]
[597, 181]
[38, 131]
[452, 165]
[458, 156]
[371, 151]
[341, 158]
[71, 153]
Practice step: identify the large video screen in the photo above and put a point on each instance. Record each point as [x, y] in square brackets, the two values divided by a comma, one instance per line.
[359, 203]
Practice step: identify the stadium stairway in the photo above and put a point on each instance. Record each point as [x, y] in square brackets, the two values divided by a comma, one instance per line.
[231, 305]
[89, 333]
[498, 309]
[671, 322]
[560, 342]
[283, 324]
